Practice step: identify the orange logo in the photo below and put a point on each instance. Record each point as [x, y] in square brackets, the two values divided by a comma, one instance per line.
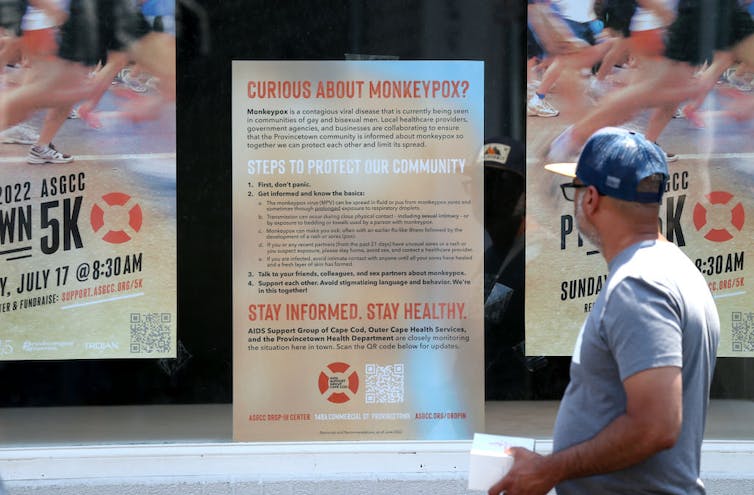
[115, 203]
[338, 383]
[737, 216]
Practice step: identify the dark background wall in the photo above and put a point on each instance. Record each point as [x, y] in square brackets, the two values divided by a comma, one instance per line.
[211, 34]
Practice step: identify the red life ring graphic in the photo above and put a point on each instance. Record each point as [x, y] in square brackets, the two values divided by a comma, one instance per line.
[112, 202]
[337, 384]
[737, 216]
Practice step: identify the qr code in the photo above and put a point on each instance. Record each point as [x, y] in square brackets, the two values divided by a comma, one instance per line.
[743, 331]
[150, 332]
[384, 384]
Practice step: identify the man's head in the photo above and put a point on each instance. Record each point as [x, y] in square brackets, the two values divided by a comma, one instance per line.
[617, 183]
[619, 164]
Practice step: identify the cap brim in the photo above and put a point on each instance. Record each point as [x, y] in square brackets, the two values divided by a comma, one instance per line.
[501, 166]
[567, 169]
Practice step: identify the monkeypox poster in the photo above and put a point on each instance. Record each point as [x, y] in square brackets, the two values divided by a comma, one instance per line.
[707, 210]
[357, 232]
[89, 248]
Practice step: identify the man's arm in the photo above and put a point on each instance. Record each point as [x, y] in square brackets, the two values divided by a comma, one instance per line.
[651, 423]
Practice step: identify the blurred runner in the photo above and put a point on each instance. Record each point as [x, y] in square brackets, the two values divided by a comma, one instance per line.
[38, 45]
[701, 28]
[579, 17]
[92, 28]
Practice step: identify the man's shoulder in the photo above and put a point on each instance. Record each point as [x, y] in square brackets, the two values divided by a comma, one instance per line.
[660, 261]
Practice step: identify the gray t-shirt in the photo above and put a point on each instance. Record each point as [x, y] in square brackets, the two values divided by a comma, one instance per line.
[655, 310]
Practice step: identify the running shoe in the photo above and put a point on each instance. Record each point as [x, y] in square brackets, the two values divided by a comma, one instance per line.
[135, 85]
[740, 84]
[132, 83]
[690, 113]
[669, 157]
[91, 118]
[539, 107]
[737, 82]
[19, 134]
[562, 148]
[152, 83]
[596, 89]
[39, 155]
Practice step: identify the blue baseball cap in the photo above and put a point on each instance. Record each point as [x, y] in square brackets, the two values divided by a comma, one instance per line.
[615, 160]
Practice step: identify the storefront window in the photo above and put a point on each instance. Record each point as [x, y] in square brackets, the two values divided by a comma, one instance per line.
[210, 36]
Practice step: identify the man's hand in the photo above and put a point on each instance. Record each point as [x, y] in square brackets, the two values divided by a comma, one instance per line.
[529, 475]
[651, 423]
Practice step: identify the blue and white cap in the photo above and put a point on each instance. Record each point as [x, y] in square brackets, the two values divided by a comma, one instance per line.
[615, 160]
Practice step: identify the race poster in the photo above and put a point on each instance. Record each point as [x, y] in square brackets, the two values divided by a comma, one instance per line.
[89, 247]
[357, 241]
[707, 210]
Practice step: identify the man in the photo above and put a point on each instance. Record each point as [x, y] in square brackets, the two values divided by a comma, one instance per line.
[632, 418]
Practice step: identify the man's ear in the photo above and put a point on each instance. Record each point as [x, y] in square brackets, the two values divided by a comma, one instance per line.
[591, 200]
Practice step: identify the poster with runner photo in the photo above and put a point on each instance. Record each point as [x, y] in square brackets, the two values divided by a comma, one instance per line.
[88, 224]
[692, 108]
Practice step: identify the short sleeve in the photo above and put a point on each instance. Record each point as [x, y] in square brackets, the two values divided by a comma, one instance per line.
[642, 327]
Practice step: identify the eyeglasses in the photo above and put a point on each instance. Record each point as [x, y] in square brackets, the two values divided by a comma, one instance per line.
[569, 190]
